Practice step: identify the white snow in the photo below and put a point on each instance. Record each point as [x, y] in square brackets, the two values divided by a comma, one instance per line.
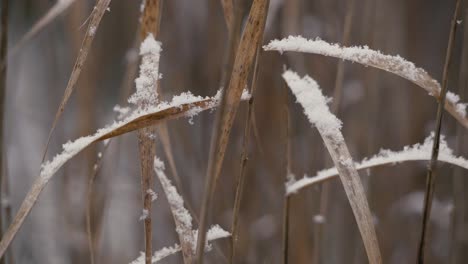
[384, 157]
[214, 233]
[92, 30]
[182, 217]
[367, 57]
[153, 195]
[122, 111]
[146, 94]
[144, 215]
[309, 95]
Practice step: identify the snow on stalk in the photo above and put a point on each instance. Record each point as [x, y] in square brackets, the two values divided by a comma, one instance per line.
[309, 95]
[182, 217]
[181, 105]
[416, 152]
[183, 222]
[214, 233]
[368, 57]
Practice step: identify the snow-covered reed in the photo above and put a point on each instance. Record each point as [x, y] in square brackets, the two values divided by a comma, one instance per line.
[417, 152]
[309, 95]
[368, 57]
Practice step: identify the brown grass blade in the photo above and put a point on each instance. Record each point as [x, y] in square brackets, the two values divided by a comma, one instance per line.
[241, 69]
[96, 16]
[368, 57]
[139, 120]
[309, 95]
[57, 9]
[431, 170]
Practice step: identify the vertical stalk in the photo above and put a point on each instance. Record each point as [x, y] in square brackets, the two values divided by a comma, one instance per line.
[3, 75]
[431, 171]
[459, 182]
[150, 23]
[337, 93]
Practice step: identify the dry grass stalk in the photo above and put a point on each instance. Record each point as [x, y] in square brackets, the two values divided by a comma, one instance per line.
[431, 171]
[231, 98]
[289, 176]
[150, 23]
[309, 95]
[96, 16]
[368, 57]
[133, 123]
[57, 9]
[459, 181]
[3, 86]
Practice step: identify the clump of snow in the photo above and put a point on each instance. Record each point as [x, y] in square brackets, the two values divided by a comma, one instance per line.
[365, 56]
[152, 194]
[146, 94]
[122, 111]
[92, 30]
[142, 5]
[319, 219]
[409, 153]
[455, 100]
[144, 215]
[158, 255]
[309, 95]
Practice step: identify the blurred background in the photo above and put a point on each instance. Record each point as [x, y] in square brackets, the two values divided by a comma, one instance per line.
[379, 110]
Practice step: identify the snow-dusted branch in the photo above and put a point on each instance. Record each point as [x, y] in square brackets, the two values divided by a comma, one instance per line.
[417, 152]
[309, 95]
[368, 57]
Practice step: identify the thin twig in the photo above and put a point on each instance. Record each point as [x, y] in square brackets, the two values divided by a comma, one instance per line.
[243, 163]
[3, 86]
[459, 181]
[431, 172]
[96, 16]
